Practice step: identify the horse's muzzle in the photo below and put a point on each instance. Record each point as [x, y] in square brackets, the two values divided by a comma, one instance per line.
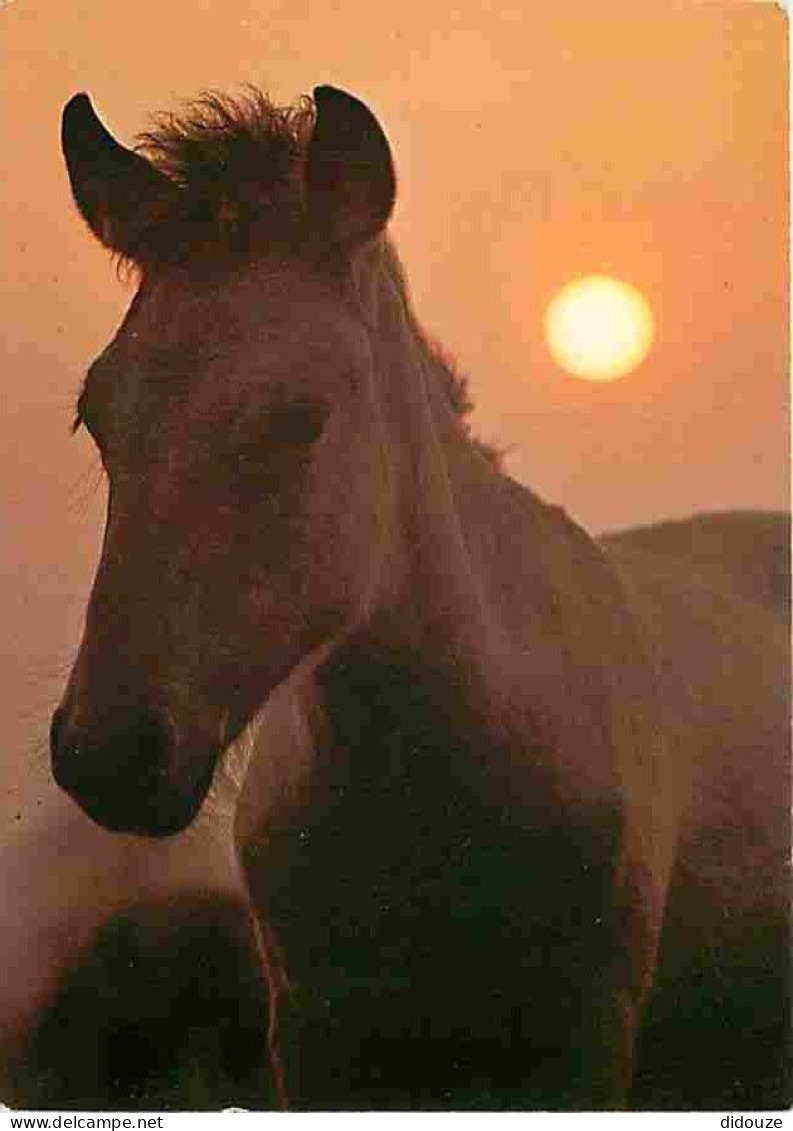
[125, 779]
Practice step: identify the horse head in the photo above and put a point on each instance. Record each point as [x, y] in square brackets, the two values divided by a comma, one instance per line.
[237, 419]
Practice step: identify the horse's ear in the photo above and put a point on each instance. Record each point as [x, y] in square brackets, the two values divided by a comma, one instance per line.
[350, 179]
[118, 192]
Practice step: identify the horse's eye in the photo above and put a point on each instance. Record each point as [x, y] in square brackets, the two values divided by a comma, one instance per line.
[300, 422]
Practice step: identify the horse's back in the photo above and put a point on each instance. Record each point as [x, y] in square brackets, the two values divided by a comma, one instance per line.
[746, 550]
[712, 595]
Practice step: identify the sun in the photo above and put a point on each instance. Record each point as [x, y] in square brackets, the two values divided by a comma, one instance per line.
[599, 328]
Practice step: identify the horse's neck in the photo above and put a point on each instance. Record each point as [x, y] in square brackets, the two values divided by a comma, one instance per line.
[479, 572]
[438, 604]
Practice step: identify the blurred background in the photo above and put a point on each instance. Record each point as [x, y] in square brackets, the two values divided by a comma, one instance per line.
[643, 140]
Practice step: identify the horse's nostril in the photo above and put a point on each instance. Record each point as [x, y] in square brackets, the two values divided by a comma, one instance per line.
[123, 768]
[129, 754]
[66, 750]
[56, 730]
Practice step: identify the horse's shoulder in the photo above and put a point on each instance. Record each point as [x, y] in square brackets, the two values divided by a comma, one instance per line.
[555, 574]
[576, 655]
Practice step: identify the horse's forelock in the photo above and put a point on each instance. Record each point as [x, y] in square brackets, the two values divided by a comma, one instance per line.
[238, 165]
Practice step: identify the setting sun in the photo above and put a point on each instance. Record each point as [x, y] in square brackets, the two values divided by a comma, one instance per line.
[599, 328]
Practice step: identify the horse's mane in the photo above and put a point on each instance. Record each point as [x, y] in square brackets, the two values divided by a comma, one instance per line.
[454, 384]
[238, 163]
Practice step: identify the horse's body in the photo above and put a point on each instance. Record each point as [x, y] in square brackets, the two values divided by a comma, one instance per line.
[721, 702]
[480, 755]
[712, 595]
[111, 991]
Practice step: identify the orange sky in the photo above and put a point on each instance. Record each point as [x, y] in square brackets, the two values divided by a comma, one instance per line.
[647, 140]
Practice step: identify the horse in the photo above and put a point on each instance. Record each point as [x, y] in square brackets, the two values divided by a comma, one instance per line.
[132, 975]
[506, 797]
